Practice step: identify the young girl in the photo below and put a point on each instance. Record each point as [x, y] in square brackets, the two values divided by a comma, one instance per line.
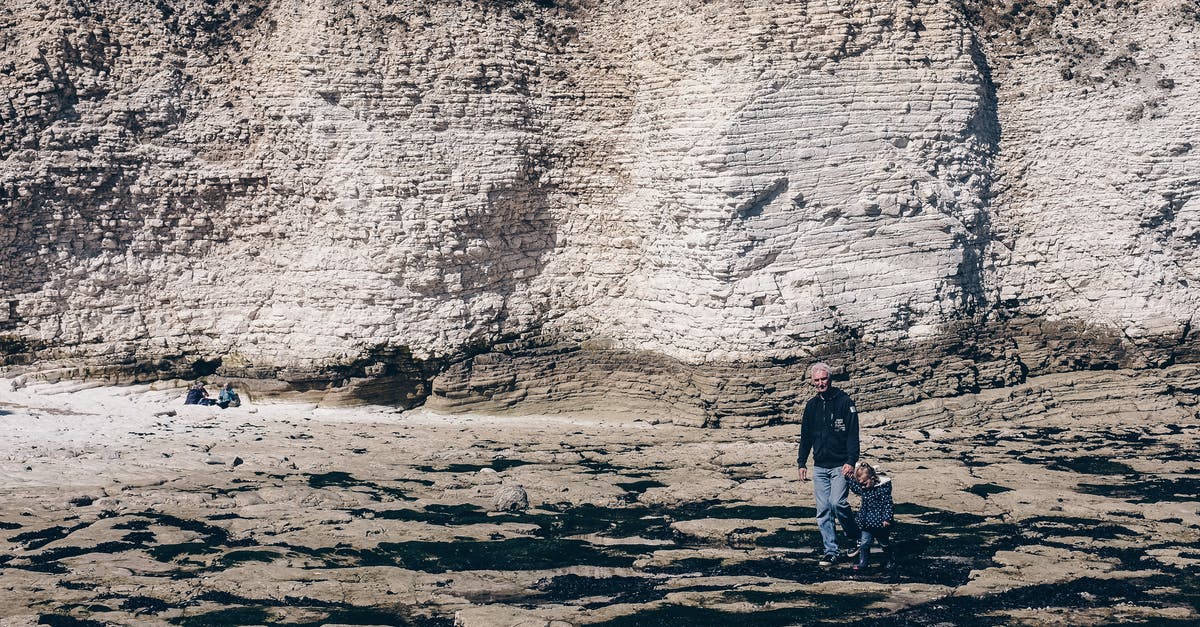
[875, 516]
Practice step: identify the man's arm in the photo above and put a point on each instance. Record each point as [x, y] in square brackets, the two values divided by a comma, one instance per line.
[805, 447]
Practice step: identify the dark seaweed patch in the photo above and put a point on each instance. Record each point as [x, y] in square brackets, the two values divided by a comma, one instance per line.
[945, 553]
[953, 519]
[785, 538]
[599, 467]
[468, 554]
[1090, 466]
[37, 539]
[46, 561]
[225, 598]
[613, 589]
[212, 538]
[509, 554]
[238, 557]
[654, 522]
[338, 479]
[986, 489]
[172, 552]
[227, 617]
[912, 509]
[638, 487]
[211, 534]
[437, 514]
[554, 521]
[688, 565]
[139, 604]
[1132, 558]
[759, 512]
[617, 522]
[606, 521]
[1175, 490]
[139, 537]
[395, 493]
[335, 479]
[1070, 526]
[498, 464]
[241, 487]
[774, 567]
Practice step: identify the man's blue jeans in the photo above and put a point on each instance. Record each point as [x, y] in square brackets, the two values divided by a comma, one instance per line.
[831, 489]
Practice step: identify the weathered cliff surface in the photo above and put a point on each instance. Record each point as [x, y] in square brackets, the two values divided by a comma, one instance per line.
[608, 206]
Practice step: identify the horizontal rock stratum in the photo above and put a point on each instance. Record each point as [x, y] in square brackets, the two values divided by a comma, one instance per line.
[612, 206]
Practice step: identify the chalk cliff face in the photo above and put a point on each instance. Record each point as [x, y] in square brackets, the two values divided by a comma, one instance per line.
[655, 206]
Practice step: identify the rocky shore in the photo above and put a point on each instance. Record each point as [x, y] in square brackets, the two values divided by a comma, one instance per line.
[1071, 498]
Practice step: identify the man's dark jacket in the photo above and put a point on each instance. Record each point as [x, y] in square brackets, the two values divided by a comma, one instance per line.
[829, 430]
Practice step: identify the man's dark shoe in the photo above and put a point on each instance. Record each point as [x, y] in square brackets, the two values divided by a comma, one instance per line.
[853, 553]
[828, 560]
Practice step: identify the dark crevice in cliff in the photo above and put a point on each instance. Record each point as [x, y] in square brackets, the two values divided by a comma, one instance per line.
[985, 130]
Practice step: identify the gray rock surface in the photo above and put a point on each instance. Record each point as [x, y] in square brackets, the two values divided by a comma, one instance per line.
[1068, 499]
[657, 208]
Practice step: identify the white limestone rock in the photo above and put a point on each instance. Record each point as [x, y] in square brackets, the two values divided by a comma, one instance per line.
[352, 200]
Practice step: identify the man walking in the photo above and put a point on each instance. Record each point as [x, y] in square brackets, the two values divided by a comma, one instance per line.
[830, 432]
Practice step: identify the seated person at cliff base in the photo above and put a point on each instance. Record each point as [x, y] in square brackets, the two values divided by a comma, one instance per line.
[228, 397]
[197, 395]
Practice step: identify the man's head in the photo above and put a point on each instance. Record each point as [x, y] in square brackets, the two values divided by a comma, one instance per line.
[819, 373]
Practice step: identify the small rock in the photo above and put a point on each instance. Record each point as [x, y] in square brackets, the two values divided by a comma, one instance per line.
[511, 499]
[82, 500]
[237, 461]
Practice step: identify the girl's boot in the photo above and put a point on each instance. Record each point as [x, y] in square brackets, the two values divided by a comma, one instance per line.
[863, 551]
